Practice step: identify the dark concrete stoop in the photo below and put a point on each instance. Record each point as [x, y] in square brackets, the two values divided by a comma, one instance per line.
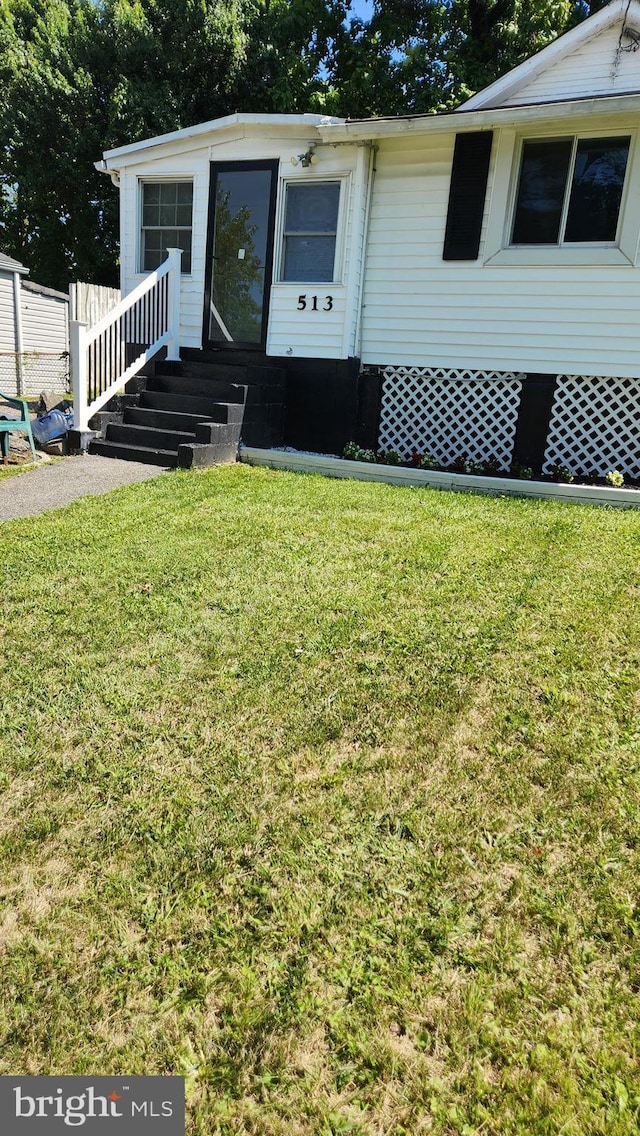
[194, 413]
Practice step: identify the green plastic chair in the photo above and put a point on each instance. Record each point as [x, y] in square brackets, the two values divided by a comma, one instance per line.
[15, 425]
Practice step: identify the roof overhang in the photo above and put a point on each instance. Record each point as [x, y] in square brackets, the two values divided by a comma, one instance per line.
[248, 124]
[8, 264]
[459, 120]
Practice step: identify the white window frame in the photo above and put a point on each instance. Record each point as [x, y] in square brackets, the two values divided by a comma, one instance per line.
[341, 179]
[160, 180]
[498, 249]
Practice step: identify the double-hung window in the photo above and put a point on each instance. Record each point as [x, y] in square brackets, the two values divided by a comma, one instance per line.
[310, 231]
[167, 208]
[570, 191]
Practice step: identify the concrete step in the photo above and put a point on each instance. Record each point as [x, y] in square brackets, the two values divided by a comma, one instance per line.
[203, 408]
[224, 373]
[252, 375]
[221, 451]
[234, 357]
[148, 436]
[217, 390]
[174, 420]
[168, 459]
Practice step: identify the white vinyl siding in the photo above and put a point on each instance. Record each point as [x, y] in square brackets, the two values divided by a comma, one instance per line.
[598, 67]
[44, 318]
[420, 310]
[44, 321]
[43, 364]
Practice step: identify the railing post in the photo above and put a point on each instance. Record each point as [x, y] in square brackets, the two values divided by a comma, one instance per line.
[173, 315]
[78, 359]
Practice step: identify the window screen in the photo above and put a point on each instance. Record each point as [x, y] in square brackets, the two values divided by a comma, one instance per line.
[310, 228]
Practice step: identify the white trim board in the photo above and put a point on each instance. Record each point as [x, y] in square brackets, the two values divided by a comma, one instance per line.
[329, 466]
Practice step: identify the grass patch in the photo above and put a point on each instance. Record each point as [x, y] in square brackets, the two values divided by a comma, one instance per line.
[325, 795]
[12, 469]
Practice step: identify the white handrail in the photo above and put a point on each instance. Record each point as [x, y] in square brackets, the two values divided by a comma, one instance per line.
[113, 333]
[129, 300]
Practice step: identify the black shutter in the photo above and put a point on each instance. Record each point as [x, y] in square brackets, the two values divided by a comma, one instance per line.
[467, 192]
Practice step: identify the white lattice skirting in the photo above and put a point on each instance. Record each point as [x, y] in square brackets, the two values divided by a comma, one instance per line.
[449, 413]
[595, 425]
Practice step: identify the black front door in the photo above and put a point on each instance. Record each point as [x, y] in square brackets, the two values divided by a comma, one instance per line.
[242, 201]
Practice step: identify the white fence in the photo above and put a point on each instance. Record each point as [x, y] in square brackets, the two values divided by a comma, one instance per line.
[89, 303]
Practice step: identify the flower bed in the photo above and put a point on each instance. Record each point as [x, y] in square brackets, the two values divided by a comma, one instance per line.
[490, 467]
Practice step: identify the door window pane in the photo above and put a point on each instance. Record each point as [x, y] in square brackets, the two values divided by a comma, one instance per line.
[541, 190]
[241, 249]
[596, 190]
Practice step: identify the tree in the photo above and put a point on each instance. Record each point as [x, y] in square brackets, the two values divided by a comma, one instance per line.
[81, 76]
[417, 56]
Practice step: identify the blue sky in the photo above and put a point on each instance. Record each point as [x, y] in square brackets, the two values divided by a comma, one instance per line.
[362, 8]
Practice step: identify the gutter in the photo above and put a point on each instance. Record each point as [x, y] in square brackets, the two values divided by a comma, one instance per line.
[103, 168]
[458, 120]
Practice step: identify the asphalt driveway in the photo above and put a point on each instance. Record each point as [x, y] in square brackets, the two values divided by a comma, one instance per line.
[55, 484]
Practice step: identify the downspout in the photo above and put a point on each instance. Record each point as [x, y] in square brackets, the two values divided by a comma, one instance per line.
[365, 250]
[18, 340]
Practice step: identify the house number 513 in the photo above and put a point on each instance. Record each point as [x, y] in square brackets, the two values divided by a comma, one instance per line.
[311, 302]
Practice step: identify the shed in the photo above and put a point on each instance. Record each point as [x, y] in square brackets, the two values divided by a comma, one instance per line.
[34, 333]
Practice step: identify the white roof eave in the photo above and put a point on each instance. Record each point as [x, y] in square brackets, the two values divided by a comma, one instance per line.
[123, 155]
[371, 129]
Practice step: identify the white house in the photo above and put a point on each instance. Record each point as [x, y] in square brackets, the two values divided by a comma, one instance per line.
[34, 333]
[465, 284]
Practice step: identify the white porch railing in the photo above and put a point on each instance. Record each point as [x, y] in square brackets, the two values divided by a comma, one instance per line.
[144, 321]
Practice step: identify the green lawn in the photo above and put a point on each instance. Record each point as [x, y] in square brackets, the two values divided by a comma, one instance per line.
[325, 794]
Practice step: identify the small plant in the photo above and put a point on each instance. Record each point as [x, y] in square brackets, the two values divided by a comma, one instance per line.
[354, 452]
[523, 472]
[492, 467]
[614, 478]
[427, 461]
[560, 472]
[389, 457]
[459, 464]
[474, 467]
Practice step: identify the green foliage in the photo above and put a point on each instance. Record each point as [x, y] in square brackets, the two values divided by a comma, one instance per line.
[81, 76]
[427, 461]
[389, 457]
[560, 472]
[354, 452]
[615, 478]
[523, 472]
